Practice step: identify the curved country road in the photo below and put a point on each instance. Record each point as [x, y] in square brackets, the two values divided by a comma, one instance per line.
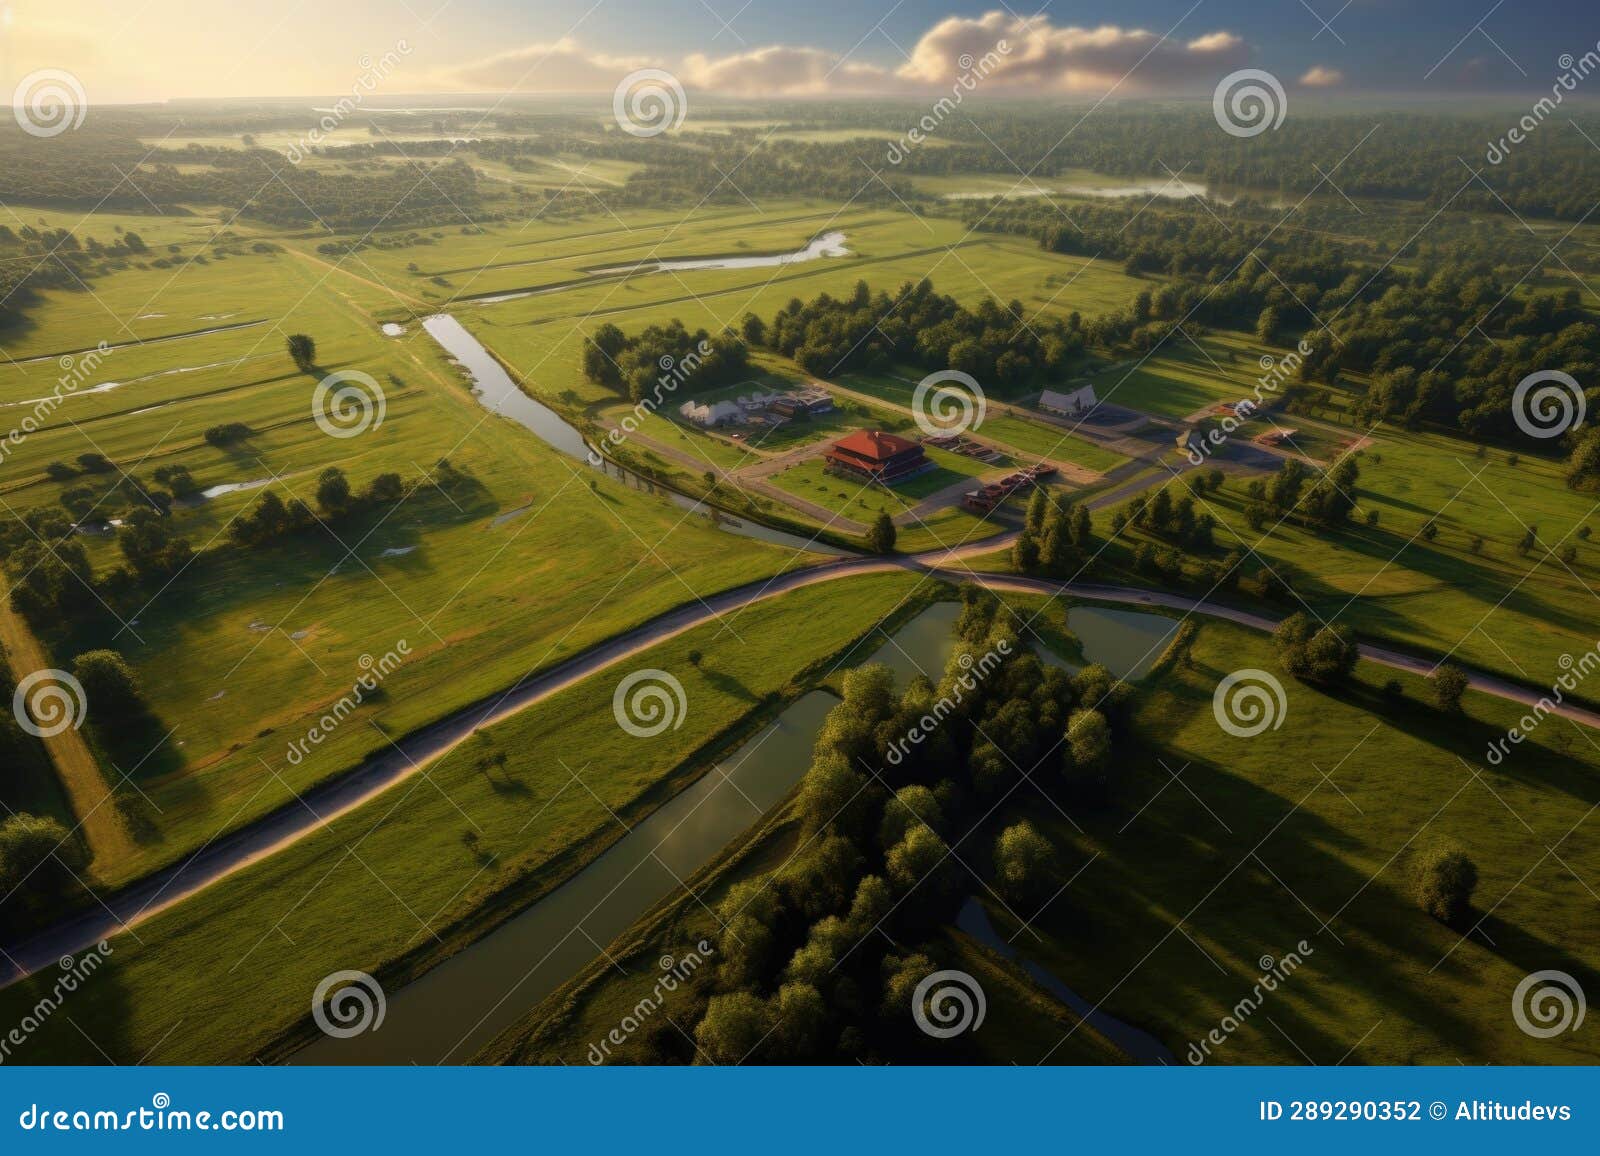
[231, 853]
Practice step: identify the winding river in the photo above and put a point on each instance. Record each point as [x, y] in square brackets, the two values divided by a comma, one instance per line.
[496, 392]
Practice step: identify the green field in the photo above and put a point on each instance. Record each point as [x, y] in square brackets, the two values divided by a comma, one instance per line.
[494, 822]
[1167, 924]
[242, 651]
[1184, 890]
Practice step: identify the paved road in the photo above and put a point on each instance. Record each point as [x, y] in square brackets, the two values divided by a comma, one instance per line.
[234, 852]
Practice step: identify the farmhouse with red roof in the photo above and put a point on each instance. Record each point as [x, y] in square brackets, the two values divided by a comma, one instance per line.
[872, 455]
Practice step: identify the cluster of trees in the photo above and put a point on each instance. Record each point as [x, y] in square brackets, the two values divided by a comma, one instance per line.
[1296, 491]
[663, 359]
[1313, 651]
[802, 969]
[272, 518]
[227, 434]
[1055, 536]
[302, 351]
[56, 582]
[1180, 521]
[1003, 347]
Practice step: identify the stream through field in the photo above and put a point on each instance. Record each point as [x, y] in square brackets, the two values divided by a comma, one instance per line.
[496, 392]
[827, 245]
[451, 1012]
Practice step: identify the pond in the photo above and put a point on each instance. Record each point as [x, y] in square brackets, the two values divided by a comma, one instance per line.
[1125, 642]
[496, 391]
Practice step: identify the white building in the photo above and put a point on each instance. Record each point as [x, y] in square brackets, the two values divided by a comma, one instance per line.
[711, 415]
[1074, 404]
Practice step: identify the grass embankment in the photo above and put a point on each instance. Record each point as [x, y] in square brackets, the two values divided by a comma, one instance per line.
[413, 876]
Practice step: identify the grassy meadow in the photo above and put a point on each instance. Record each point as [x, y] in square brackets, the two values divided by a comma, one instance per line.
[435, 862]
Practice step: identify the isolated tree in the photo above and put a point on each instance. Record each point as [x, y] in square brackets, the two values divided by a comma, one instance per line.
[881, 536]
[1325, 654]
[1445, 881]
[38, 857]
[1448, 684]
[1024, 863]
[303, 351]
[1088, 743]
[109, 685]
[333, 491]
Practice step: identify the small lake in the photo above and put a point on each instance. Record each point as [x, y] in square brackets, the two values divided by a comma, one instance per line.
[1125, 642]
[496, 391]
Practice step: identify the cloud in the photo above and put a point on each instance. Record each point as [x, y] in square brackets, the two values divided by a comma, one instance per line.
[780, 70]
[1321, 76]
[560, 67]
[1035, 54]
[1012, 55]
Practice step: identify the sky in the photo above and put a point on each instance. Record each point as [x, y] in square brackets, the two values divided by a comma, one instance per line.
[121, 51]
